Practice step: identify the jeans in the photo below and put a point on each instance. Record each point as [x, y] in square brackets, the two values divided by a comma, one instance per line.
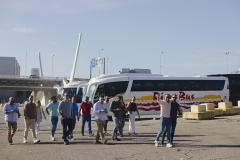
[66, 123]
[174, 123]
[88, 119]
[116, 124]
[164, 122]
[54, 122]
[73, 126]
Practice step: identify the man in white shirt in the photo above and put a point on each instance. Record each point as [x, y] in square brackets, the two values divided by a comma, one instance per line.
[165, 120]
[100, 109]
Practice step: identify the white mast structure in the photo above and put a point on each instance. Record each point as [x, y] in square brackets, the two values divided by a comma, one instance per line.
[39, 54]
[75, 60]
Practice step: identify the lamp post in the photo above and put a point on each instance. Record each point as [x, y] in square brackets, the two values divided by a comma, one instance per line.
[26, 65]
[52, 64]
[160, 61]
[100, 57]
[227, 61]
[107, 65]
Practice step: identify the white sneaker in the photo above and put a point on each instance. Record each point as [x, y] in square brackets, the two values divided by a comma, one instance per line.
[53, 139]
[72, 138]
[169, 145]
[36, 141]
[24, 140]
[156, 143]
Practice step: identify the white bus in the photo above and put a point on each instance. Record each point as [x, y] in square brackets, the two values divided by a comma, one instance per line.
[190, 90]
[74, 88]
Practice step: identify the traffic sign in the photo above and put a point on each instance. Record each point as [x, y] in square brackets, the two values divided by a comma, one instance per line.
[93, 63]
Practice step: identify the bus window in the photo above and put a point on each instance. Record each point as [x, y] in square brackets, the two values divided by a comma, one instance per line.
[177, 85]
[99, 92]
[111, 89]
[214, 84]
[72, 92]
[192, 85]
[173, 85]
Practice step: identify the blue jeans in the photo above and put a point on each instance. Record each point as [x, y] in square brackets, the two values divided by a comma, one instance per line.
[88, 119]
[174, 123]
[164, 122]
[66, 123]
[73, 127]
[54, 122]
[116, 124]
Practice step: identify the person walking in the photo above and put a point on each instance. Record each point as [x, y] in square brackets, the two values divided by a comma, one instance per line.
[65, 111]
[165, 120]
[26, 101]
[122, 117]
[108, 115]
[30, 114]
[175, 108]
[86, 107]
[40, 114]
[116, 109]
[53, 107]
[11, 112]
[132, 110]
[75, 113]
[100, 109]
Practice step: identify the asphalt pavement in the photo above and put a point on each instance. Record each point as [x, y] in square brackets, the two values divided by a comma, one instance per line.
[194, 139]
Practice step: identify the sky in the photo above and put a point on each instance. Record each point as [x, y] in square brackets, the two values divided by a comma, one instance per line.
[194, 35]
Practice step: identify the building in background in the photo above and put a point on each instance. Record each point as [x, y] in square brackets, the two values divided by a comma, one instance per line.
[9, 66]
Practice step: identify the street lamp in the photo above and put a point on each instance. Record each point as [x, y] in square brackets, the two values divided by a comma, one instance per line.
[26, 65]
[227, 61]
[160, 61]
[52, 64]
[107, 65]
[99, 57]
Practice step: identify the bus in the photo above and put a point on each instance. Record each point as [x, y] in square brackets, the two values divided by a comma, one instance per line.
[145, 87]
[234, 86]
[74, 88]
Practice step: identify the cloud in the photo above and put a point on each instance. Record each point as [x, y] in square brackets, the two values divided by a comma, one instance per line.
[193, 65]
[24, 30]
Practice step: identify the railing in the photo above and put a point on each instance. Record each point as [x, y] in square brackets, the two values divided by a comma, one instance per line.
[28, 77]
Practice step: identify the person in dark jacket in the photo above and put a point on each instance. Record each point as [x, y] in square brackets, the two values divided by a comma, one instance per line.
[116, 109]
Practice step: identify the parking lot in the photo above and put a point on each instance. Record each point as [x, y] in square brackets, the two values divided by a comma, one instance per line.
[194, 139]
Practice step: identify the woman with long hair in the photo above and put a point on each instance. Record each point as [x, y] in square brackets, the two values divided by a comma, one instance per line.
[40, 114]
[132, 110]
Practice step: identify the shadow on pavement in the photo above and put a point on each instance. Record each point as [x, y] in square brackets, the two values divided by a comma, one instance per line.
[216, 146]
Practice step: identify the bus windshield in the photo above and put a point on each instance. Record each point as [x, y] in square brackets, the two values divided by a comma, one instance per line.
[111, 90]
[72, 92]
[90, 93]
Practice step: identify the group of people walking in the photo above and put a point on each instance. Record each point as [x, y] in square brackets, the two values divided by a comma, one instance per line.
[69, 112]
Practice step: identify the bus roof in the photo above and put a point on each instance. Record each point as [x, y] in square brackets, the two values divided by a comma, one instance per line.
[134, 76]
